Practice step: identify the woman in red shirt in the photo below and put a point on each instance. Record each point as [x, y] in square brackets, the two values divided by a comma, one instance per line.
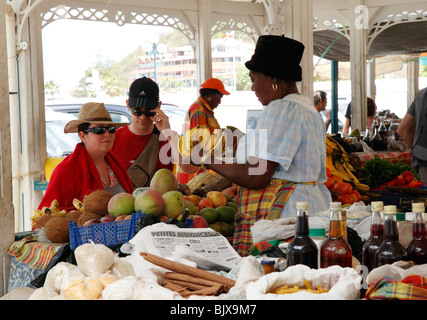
[91, 166]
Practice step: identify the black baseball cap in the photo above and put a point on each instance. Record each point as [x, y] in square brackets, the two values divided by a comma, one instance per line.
[143, 93]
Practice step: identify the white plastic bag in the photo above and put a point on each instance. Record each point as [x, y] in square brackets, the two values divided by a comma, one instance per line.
[396, 272]
[342, 283]
[265, 230]
[94, 259]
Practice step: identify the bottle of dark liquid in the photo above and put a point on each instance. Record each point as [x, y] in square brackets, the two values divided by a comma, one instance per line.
[377, 142]
[387, 123]
[382, 130]
[368, 137]
[371, 245]
[390, 250]
[417, 248]
[335, 250]
[302, 249]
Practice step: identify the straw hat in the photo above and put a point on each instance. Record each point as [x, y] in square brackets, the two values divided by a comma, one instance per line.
[91, 112]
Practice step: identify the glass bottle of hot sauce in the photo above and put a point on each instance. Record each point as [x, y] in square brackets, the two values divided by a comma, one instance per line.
[335, 250]
[390, 250]
[302, 249]
[371, 245]
[417, 247]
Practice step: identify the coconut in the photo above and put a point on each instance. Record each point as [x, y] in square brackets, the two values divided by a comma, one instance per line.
[42, 221]
[56, 229]
[73, 215]
[86, 217]
[97, 202]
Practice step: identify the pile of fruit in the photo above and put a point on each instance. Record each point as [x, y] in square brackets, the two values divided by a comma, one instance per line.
[165, 198]
[406, 180]
[345, 187]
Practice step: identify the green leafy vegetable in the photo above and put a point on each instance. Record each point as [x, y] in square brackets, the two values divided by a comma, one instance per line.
[378, 171]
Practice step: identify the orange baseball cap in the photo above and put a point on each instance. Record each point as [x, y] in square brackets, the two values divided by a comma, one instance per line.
[214, 83]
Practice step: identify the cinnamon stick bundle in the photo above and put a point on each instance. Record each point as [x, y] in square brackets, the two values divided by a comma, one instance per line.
[188, 280]
[188, 270]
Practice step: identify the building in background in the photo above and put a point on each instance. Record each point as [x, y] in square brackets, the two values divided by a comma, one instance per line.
[176, 68]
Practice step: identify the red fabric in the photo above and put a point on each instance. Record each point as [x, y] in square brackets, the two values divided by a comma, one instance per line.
[393, 156]
[77, 176]
[128, 146]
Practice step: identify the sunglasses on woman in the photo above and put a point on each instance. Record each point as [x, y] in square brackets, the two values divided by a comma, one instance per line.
[139, 112]
[100, 130]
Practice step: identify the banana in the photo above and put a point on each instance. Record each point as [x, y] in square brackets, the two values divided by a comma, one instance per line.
[362, 187]
[54, 206]
[78, 205]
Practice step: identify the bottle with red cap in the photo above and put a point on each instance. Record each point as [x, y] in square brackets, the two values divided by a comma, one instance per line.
[417, 247]
[375, 239]
[302, 249]
[390, 249]
[335, 250]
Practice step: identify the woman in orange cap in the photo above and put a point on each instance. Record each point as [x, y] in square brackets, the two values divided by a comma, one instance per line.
[201, 115]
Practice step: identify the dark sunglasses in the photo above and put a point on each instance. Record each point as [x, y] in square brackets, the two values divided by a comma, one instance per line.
[139, 112]
[100, 130]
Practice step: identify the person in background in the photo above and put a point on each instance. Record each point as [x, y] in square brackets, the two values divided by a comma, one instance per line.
[201, 115]
[320, 102]
[92, 165]
[284, 160]
[372, 110]
[139, 144]
[413, 130]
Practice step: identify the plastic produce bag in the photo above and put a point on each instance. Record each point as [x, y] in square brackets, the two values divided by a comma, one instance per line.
[94, 259]
[341, 283]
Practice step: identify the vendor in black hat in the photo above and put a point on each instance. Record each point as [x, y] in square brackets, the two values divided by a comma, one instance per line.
[283, 160]
[139, 145]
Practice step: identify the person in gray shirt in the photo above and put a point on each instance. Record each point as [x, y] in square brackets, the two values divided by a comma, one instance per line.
[413, 130]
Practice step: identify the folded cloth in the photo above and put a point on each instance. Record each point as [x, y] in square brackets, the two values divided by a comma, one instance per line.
[32, 252]
[413, 287]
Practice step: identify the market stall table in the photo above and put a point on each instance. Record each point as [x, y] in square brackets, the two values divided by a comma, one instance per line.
[393, 156]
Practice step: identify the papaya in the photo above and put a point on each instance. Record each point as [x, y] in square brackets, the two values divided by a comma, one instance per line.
[226, 214]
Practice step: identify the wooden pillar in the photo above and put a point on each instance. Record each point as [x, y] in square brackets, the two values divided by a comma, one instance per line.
[6, 199]
[359, 24]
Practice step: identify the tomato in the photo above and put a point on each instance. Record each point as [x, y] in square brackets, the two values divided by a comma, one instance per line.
[359, 197]
[336, 179]
[353, 198]
[328, 172]
[329, 184]
[345, 199]
[340, 187]
[349, 187]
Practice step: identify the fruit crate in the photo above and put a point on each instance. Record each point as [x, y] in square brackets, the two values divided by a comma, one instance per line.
[110, 234]
[388, 197]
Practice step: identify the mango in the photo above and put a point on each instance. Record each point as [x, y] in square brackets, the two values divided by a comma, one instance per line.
[139, 190]
[121, 203]
[209, 214]
[205, 203]
[225, 214]
[198, 221]
[150, 201]
[217, 198]
[174, 203]
[191, 207]
[163, 181]
[233, 205]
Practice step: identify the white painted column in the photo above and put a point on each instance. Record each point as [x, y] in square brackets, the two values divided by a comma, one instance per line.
[371, 89]
[6, 200]
[203, 42]
[359, 24]
[299, 26]
[412, 78]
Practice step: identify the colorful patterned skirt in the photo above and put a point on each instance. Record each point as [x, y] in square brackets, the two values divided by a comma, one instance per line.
[255, 205]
